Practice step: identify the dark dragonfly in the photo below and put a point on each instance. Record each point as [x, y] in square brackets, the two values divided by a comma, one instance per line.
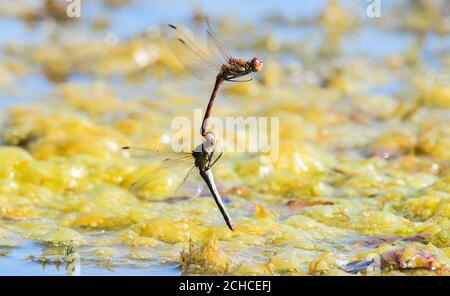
[207, 64]
[201, 159]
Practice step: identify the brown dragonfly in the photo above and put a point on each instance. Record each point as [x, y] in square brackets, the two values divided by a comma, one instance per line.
[206, 64]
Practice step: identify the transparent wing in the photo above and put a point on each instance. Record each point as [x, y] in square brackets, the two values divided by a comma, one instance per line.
[199, 61]
[215, 46]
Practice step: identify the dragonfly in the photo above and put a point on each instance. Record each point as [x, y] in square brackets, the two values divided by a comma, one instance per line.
[215, 61]
[200, 160]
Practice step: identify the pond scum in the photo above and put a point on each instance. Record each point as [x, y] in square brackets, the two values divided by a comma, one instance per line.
[362, 184]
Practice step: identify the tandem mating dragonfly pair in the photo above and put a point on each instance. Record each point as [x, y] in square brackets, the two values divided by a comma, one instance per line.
[215, 62]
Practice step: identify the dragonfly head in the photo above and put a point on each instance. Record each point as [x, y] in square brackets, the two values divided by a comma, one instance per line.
[210, 142]
[210, 139]
[256, 64]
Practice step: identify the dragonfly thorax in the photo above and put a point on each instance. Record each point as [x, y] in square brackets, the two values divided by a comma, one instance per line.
[201, 159]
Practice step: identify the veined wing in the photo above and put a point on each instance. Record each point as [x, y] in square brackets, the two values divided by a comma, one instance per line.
[176, 164]
[199, 61]
[215, 46]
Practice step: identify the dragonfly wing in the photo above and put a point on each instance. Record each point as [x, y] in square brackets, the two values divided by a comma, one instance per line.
[199, 61]
[153, 176]
[215, 46]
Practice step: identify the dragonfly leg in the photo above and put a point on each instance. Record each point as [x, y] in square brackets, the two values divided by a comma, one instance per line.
[185, 178]
[210, 157]
[218, 157]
